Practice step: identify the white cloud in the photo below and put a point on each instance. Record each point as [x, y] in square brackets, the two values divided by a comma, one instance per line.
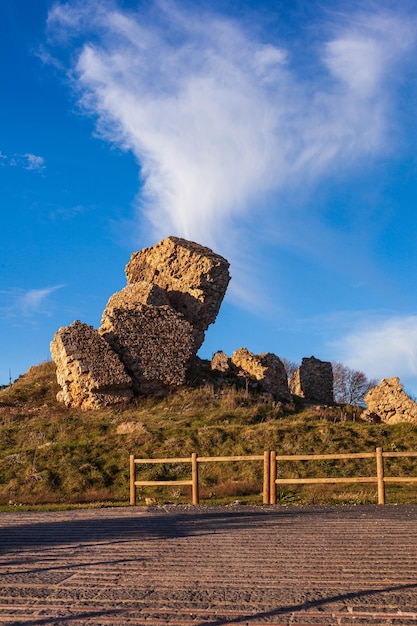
[382, 347]
[362, 54]
[31, 301]
[20, 303]
[66, 213]
[33, 162]
[27, 161]
[218, 119]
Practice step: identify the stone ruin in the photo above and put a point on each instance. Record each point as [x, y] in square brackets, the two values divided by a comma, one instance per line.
[150, 330]
[313, 381]
[262, 372]
[388, 402]
[90, 373]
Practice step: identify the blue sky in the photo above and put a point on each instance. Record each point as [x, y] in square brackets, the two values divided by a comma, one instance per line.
[280, 134]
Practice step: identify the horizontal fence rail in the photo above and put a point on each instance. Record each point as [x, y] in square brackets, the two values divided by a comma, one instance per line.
[380, 477]
[194, 460]
[271, 460]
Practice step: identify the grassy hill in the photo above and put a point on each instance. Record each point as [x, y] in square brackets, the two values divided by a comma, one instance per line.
[50, 454]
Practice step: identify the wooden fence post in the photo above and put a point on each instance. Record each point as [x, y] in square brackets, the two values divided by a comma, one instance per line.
[194, 471]
[273, 477]
[266, 476]
[132, 481]
[380, 475]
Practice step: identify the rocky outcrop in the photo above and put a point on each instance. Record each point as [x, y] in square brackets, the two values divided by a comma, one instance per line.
[150, 330]
[137, 293]
[389, 403]
[193, 278]
[267, 369]
[313, 381]
[155, 344]
[221, 363]
[90, 373]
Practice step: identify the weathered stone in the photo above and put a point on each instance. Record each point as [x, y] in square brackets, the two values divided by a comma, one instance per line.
[155, 343]
[313, 381]
[221, 362]
[135, 294]
[90, 373]
[267, 369]
[372, 418]
[194, 278]
[390, 403]
[128, 428]
[155, 324]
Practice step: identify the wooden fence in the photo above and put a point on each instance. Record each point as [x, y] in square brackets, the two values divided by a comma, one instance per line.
[271, 462]
[193, 481]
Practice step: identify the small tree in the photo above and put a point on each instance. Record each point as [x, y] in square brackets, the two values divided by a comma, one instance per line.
[290, 367]
[350, 386]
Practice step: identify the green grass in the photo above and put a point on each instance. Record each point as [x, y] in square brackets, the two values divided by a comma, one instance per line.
[52, 456]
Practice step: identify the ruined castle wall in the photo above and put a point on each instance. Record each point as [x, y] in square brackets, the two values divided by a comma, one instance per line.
[313, 381]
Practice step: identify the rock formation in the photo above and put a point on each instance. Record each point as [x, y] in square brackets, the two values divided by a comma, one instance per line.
[155, 344]
[193, 278]
[135, 293]
[265, 370]
[90, 373]
[389, 403]
[221, 363]
[313, 381]
[150, 330]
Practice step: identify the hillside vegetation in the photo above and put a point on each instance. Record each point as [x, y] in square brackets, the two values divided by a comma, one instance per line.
[50, 454]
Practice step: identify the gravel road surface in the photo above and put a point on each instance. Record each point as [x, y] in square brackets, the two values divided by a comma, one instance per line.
[210, 566]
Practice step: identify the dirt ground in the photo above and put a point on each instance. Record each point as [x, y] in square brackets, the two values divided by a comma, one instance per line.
[210, 566]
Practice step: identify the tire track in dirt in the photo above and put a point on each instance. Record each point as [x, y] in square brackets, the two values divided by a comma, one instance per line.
[210, 566]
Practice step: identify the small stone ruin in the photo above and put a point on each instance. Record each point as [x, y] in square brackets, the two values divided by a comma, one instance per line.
[150, 330]
[267, 369]
[388, 402]
[313, 381]
[264, 373]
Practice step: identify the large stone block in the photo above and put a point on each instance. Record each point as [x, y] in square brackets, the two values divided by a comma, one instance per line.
[136, 294]
[155, 343]
[90, 373]
[194, 278]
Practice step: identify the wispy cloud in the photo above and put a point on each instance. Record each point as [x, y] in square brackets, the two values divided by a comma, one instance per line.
[33, 162]
[382, 347]
[220, 120]
[27, 161]
[66, 213]
[19, 303]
